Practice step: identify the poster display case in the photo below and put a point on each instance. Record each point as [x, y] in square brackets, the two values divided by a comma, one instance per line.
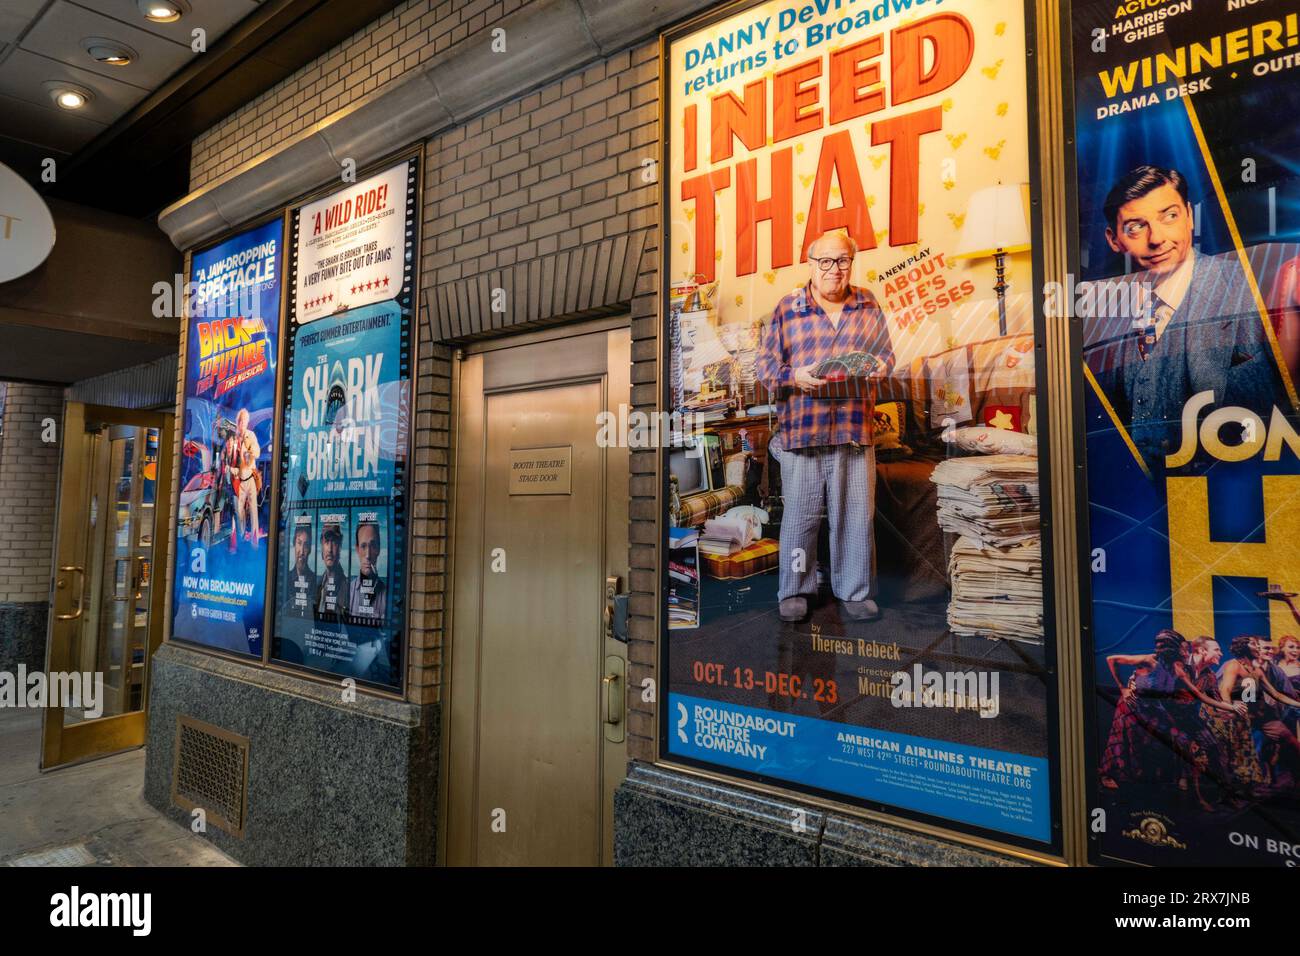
[853, 591]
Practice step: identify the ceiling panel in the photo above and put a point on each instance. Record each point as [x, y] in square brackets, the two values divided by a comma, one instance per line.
[42, 40]
[15, 15]
[140, 161]
[61, 130]
[215, 16]
[61, 30]
[23, 75]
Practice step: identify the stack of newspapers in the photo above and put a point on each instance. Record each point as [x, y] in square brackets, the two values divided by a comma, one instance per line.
[726, 535]
[992, 498]
[995, 568]
[996, 592]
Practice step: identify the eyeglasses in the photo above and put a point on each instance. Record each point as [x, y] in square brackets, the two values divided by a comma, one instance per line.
[826, 265]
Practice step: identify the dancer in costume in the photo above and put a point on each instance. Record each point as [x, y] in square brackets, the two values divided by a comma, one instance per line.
[1145, 744]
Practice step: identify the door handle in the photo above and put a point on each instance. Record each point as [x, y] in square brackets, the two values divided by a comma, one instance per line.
[613, 691]
[613, 699]
[69, 568]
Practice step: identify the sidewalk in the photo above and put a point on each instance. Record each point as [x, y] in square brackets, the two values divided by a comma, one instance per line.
[92, 814]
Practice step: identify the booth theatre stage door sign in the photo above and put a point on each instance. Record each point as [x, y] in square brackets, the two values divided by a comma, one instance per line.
[541, 471]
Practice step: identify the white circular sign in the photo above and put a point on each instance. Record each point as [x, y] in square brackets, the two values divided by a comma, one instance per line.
[26, 227]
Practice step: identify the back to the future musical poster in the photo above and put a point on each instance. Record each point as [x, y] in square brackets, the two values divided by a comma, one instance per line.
[1189, 229]
[227, 437]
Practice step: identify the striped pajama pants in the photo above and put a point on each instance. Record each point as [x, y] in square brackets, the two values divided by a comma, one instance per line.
[838, 482]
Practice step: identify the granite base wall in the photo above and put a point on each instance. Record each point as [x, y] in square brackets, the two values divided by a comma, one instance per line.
[22, 635]
[329, 783]
[666, 818]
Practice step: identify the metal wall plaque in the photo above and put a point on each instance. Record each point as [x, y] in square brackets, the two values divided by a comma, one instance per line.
[541, 471]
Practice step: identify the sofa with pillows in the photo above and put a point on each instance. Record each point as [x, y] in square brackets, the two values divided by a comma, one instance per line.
[968, 400]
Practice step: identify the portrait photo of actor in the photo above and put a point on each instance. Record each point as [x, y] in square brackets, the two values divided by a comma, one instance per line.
[302, 579]
[1195, 328]
[824, 440]
[368, 597]
[332, 589]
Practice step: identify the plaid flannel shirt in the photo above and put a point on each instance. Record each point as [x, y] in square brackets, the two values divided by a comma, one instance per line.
[801, 334]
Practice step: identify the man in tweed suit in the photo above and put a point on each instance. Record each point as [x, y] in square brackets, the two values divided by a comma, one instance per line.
[1197, 328]
[828, 462]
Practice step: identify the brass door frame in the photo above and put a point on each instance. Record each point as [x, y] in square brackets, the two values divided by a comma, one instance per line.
[62, 745]
[461, 657]
[1051, 143]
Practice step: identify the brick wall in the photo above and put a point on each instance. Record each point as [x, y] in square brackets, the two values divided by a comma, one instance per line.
[643, 534]
[427, 576]
[555, 169]
[377, 54]
[29, 470]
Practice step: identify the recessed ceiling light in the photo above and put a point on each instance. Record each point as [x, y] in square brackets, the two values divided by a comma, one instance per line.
[162, 11]
[68, 96]
[112, 52]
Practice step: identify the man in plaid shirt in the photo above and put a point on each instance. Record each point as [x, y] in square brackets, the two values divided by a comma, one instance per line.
[824, 445]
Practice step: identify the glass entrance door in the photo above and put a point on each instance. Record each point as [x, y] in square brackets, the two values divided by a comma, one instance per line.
[108, 607]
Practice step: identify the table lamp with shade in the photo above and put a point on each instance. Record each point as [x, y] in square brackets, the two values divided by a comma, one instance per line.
[996, 225]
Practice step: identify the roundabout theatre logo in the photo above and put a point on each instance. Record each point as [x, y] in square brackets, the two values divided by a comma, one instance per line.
[717, 728]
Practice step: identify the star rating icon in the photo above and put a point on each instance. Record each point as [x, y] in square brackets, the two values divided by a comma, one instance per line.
[371, 284]
[319, 300]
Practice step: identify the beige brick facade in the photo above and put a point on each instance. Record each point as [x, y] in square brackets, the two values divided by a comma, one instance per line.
[376, 55]
[29, 470]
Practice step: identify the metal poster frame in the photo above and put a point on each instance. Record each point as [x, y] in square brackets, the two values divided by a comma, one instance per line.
[286, 214]
[408, 300]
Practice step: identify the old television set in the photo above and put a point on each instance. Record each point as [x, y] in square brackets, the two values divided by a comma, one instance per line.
[697, 465]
